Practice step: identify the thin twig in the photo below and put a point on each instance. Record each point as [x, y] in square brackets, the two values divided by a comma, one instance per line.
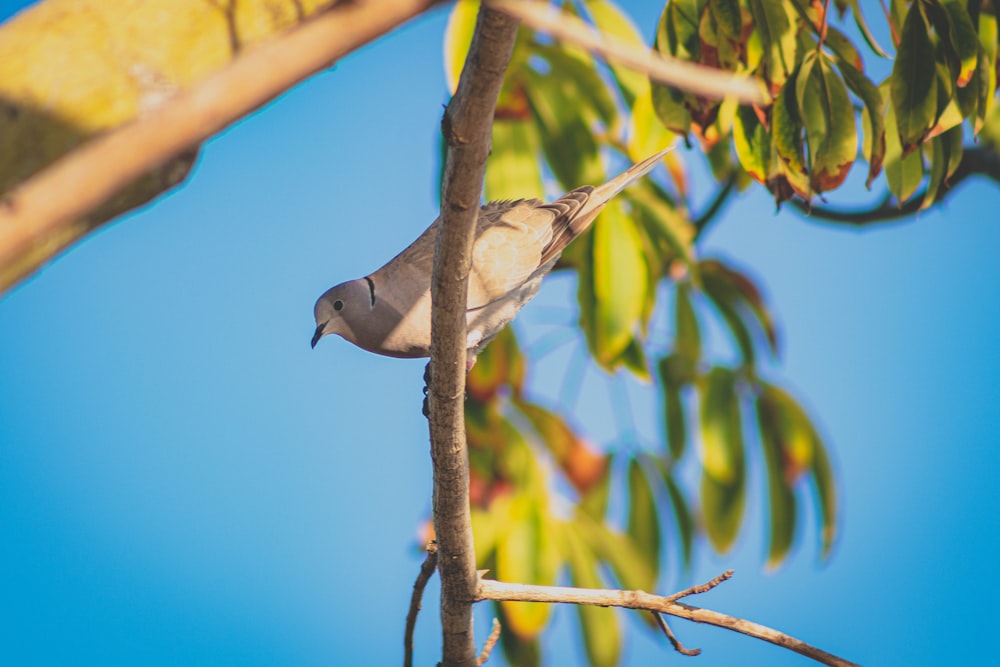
[426, 572]
[702, 588]
[489, 589]
[674, 641]
[491, 641]
[976, 161]
[708, 215]
[43, 211]
[690, 77]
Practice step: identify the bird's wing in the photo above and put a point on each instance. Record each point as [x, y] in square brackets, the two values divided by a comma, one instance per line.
[510, 241]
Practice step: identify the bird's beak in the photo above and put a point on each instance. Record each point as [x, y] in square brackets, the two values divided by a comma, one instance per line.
[318, 334]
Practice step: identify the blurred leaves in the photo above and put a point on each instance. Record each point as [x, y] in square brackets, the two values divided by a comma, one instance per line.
[549, 504]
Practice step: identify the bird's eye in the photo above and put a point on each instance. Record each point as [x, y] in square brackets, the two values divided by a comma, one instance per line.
[338, 305]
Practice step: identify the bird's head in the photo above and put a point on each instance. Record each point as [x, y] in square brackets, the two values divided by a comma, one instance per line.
[342, 309]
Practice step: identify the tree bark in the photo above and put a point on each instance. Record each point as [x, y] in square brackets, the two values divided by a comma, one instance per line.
[467, 126]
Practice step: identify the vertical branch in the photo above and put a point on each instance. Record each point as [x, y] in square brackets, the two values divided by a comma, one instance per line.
[466, 127]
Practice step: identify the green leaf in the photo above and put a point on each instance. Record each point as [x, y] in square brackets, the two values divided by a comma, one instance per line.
[682, 517]
[727, 17]
[874, 127]
[826, 496]
[803, 451]
[599, 625]
[775, 26]
[913, 88]
[945, 155]
[780, 495]
[786, 137]
[676, 421]
[594, 502]
[739, 300]
[721, 434]
[723, 482]
[633, 357]
[457, 38]
[677, 36]
[843, 48]
[687, 336]
[512, 171]
[619, 283]
[903, 174]
[643, 521]
[859, 19]
[676, 372]
[662, 221]
[962, 40]
[828, 116]
[568, 142]
[753, 143]
[722, 506]
[611, 20]
[579, 67]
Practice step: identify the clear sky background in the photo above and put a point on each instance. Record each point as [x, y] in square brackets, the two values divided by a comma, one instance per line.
[183, 481]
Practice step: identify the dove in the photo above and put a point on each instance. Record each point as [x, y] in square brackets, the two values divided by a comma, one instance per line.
[516, 244]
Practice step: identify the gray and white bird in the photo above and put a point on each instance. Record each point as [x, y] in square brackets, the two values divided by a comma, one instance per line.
[517, 242]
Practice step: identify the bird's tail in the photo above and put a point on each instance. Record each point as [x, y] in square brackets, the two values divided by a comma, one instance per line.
[602, 194]
[578, 209]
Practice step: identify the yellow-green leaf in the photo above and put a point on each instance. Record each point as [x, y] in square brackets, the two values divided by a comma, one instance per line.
[962, 38]
[619, 283]
[611, 20]
[753, 143]
[774, 23]
[903, 174]
[722, 506]
[721, 431]
[828, 117]
[873, 120]
[781, 498]
[524, 554]
[457, 38]
[512, 171]
[786, 136]
[914, 86]
[647, 134]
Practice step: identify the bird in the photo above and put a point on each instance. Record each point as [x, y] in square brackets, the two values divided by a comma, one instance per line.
[517, 242]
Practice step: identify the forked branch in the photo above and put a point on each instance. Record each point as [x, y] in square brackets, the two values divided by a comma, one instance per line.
[501, 591]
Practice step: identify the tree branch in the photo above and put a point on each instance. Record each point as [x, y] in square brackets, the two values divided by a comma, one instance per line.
[975, 161]
[501, 591]
[490, 643]
[42, 210]
[467, 126]
[708, 82]
[426, 572]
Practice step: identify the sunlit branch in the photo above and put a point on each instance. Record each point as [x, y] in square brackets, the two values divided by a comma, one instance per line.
[489, 589]
[708, 82]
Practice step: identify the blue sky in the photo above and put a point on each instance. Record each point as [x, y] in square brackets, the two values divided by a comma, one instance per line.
[183, 481]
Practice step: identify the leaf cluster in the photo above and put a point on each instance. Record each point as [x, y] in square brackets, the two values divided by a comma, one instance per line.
[551, 506]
